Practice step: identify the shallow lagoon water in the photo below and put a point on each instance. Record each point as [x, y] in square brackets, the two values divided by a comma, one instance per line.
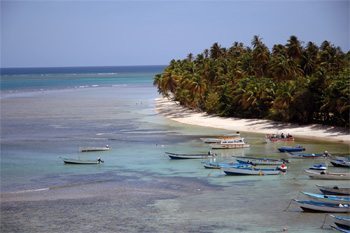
[137, 189]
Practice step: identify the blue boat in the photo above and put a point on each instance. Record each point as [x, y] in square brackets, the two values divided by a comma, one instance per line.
[329, 198]
[319, 166]
[291, 148]
[343, 222]
[215, 165]
[340, 163]
[340, 229]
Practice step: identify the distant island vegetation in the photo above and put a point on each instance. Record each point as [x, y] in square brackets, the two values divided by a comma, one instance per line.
[291, 83]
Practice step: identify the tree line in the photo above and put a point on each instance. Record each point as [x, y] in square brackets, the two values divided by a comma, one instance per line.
[289, 83]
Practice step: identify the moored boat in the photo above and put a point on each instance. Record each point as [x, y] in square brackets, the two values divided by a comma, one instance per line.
[325, 175]
[251, 171]
[291, 148]
[279, 138]
[340, 229]
[317, 206]
[189, 156]
[230, 144]
[342, 221]
[334, 190]
[82, 161]
[329, 198]
[218, 139]
[260, 161]
[305, 155]
[340, 163]
[93, 149]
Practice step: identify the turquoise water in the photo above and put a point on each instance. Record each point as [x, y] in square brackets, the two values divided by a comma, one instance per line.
[42, 121]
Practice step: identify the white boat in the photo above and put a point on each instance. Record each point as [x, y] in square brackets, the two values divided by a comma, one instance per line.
[230, 144]
[329, 198]
[316, 206]
[92, 149]
[220, 138]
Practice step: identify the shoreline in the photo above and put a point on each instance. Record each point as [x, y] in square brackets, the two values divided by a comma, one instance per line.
[173, 111]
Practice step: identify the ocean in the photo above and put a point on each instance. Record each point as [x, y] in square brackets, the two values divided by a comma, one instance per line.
[49, 113]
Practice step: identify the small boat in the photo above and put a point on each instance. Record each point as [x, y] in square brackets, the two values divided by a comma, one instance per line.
[342, 221]
[189, 156]
[340, 229]
[215, 165]
[93, 149]
[319, 166]
[218, 139]
[317, 206]
[291, 148]
[279, 138]
[81, 161]
[334, 190]
[340, 163]
[324, 175]
[251, 171]
[329, 198]
[305, 155]
[230, 144]
[260, 161]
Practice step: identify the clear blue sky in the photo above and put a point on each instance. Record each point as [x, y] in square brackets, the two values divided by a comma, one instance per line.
[112, 33]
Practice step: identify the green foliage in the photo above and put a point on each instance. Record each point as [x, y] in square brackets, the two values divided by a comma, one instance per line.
[290, 83]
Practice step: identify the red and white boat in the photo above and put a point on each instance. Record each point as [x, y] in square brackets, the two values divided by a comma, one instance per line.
[279, 138]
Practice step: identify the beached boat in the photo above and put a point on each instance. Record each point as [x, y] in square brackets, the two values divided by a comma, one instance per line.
[319, 166]
[93, 149]
[291, 148]
[251, 171]
[340, 229]
[216, 165]
[317, 206]
[305, 155]
[82, 161]
[342, 221]
[329, 198]
[230, 144]
[325, 175]
[260, 161]
[340, 163]
[279, 138]
[334, 190]
[189, 156]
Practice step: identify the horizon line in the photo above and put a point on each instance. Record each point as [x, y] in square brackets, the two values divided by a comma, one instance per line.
[94, 66]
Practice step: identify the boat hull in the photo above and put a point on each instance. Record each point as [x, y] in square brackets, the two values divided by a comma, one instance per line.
[259, 161]
[188, 156]
[250, 171]
[229, 146]
[340, 163]
[81, 162]
[334, 190]
[94, 149]
[327, 175]
[291, 149]
[329, 198]
[314, 206]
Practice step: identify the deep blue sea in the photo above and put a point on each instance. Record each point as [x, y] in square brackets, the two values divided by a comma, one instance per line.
[48, 113]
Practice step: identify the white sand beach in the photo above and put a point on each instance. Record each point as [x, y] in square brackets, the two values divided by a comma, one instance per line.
[174, 111]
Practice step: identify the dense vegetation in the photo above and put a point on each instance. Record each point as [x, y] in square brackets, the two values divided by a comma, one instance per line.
[291, 83]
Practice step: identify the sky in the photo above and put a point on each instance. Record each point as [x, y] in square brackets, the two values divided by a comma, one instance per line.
[120, 33]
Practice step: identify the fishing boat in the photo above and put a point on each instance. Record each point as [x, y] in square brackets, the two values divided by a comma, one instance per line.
[329, 198]
[319, 166]
[251, 171]
[282, 167]
[334, 190]
[317, 206]
[291, 148]
[260, 161]
[325, 175]
[230, 144]
[340, 163]
[93, 149]
[81, 161]
[215, 165]
[341, 221]
[279, 138]
[305, 155]
[189, 156]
